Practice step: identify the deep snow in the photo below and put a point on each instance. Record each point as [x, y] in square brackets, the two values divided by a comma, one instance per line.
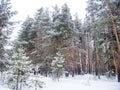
[82, 82]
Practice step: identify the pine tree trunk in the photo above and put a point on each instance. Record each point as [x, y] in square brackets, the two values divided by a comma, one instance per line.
[17, 82]
[119, 77]
[89, 62]
[116, 35]
[97, 65]
[118, 69]
[36, 81]
[114, 26]
[36, 85]
[89, 65]
[114, 61]
[97, 68]
[1, 75]
[80, 63]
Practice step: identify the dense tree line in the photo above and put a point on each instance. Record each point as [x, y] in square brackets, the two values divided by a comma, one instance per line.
[56, 43]
[103, 17]
[88, 47]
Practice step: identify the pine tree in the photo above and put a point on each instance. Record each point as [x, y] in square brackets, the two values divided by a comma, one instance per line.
[5, 13]
[114, 13]
[55, 32]
[62, 27]
[61, 32]
[78, 45]
[57, 66]
[18, 69]
[27, 35]
[5, 23]
[35, 37]
[95, 28]
[43, 41]
[103, 16]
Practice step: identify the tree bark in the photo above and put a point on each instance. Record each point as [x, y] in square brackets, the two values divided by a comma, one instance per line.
[17, 82]
[116, 36]
[114, 27]
[118, 70]
[97, 66]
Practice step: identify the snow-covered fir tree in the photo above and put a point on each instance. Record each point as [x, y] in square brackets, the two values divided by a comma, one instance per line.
[61, 28]
[18, 69]
[57, 66]
[5, 23]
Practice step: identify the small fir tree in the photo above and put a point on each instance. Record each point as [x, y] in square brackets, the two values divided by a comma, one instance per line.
[57, 66]
[18, 71]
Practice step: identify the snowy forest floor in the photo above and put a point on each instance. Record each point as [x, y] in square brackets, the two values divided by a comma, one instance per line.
[81, 82]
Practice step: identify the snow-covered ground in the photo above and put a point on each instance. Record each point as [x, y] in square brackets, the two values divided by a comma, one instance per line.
[81, 83]
[85, 82]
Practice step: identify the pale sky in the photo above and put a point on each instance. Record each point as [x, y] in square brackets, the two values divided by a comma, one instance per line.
[29, 7]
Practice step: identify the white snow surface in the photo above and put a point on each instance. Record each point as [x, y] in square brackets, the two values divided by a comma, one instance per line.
[82, 82]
